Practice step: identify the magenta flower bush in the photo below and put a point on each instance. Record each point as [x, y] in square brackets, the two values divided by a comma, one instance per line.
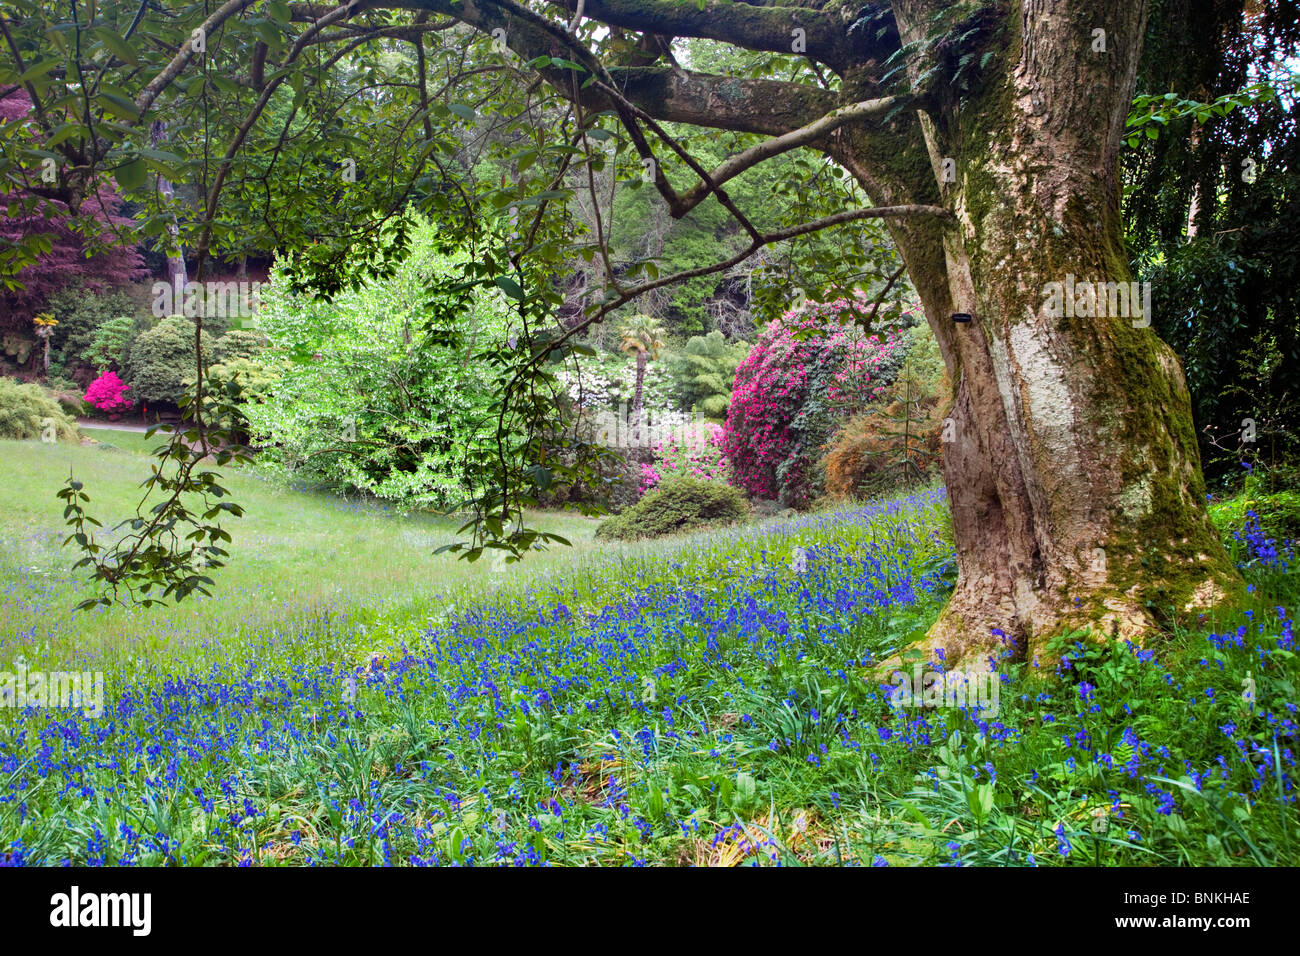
[688, 453]
[806, 373]
[108, 394]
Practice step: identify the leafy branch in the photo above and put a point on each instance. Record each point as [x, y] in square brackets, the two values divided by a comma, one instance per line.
[1152, 112]
[168, 549]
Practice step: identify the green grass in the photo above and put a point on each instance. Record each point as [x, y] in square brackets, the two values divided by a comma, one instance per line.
[297, 558]
[121, 440]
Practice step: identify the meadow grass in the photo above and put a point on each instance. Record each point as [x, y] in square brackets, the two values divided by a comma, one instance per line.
[121, 439]
[298, 561]
[345, 698]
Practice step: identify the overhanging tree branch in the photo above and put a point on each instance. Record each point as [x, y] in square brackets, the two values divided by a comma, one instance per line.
[735, 165]
[625, 296]
[241, 134]
[770, 29]
[768, 107]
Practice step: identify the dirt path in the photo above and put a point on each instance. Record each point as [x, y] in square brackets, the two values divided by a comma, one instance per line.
[111, 426]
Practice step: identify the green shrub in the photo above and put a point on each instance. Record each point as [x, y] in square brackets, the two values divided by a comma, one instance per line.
[110, 344]
[80, 315]
[679, 504]
[256, 379]
[25, 408]
[238, 344]
[395, 402]
[162, 359]
[239, 382]
[69, 399]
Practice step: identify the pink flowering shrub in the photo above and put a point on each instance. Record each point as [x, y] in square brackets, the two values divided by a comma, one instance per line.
[108, 394]
[688, 454]
[806, 373]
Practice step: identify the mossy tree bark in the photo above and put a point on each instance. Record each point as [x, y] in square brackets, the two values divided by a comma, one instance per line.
[1073, 476]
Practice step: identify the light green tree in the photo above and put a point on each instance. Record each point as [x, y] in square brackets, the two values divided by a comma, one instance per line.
[110, 342]
[704, 371]
[388, 392]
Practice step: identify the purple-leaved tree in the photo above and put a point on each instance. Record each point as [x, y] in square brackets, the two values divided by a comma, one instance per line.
[84, 243]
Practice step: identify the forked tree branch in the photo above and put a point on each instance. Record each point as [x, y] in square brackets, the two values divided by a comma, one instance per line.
[735, 165]
[154, 88]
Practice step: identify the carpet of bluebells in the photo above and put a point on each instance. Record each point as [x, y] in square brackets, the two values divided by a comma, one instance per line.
[712, 701]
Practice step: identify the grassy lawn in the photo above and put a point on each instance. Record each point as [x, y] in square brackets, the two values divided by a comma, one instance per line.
[345, 697]
[297, 559]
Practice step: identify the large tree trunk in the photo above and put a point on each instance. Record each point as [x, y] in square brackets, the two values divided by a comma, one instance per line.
[1074, 477]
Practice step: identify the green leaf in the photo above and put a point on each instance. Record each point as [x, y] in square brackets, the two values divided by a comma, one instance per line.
[119, 106]
[269, 34]
[132, 175]
[117, 46]
[510, 287]
[36, 71]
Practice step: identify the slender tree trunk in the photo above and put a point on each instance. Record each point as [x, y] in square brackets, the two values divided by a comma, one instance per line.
[640, 381]
[176, 271]
[1074, 476]
[1194, 207]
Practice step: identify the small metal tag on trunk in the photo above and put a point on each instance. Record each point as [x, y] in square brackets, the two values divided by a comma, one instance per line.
[961, 316]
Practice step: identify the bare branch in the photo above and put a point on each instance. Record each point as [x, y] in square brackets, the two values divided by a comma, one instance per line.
[804, 136]
[822, 36]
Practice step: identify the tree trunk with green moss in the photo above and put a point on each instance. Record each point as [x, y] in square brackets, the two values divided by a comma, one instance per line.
[1073, 469]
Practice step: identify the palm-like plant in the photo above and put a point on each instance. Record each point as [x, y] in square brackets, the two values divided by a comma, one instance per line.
[45, 324]
[640, 337]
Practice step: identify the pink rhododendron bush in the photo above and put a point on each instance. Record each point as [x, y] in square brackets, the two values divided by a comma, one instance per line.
[806, 374]
[691, 452]
[108, 394]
